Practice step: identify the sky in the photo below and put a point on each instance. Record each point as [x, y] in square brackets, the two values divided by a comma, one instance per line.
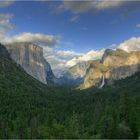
[72, 31]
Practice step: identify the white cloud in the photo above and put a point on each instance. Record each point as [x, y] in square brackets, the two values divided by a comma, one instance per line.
[85, 6]
[44, 39]
[5, 3]
[133, 44]
[5, 25]
[91, 55]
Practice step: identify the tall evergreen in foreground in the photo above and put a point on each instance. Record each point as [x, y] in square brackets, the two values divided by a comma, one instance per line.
[29, 109]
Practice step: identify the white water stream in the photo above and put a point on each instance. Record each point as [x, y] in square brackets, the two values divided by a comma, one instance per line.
[103, 82]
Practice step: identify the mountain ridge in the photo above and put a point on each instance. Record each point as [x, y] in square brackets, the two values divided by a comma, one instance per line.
[115, 64]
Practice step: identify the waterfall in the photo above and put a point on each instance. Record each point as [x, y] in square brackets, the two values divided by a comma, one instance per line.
[103, 82]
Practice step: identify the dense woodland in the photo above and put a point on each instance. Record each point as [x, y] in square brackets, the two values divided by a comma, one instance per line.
[29, 109]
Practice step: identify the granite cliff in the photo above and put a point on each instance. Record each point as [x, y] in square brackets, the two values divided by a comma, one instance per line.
[30, 58]
[114, 65]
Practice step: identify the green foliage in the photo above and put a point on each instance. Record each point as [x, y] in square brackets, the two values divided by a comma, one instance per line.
[29, 109]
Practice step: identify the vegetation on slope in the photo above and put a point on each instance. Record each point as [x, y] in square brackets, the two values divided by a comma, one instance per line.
[29, 109]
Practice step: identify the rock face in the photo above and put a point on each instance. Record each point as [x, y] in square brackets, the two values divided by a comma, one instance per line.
[30, 58]
[94, 74]
[79, 70]
[114, 65]
[114, 58]
[74, 76]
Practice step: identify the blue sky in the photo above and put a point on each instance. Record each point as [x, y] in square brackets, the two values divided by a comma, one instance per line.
[88, 31]
[72, 30]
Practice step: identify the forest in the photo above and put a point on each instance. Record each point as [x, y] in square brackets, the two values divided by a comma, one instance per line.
[29, 109]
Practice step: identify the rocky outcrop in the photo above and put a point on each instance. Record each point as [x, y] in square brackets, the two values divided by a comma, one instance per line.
[30, 58]
[78, 70]
[114, 65]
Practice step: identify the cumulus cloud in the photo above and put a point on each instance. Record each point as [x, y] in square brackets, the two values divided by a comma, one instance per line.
[91, 55]
[5, 3]
[132, 44]
[5, 25]
[85, 6]
[38, 38]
